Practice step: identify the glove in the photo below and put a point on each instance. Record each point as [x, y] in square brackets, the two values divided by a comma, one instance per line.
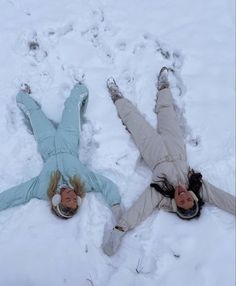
[112, 244]
[116, 210]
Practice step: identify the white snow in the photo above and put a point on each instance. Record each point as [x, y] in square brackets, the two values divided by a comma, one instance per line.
[130, 40]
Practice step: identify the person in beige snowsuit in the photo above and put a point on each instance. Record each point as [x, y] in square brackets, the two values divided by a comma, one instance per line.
[175, 187]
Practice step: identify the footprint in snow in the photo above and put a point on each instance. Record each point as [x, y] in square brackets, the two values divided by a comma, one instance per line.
[28, 44]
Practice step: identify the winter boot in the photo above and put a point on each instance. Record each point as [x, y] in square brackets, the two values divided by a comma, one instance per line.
[114, 90]
[162, 80]
[24, 101]
[25, 88]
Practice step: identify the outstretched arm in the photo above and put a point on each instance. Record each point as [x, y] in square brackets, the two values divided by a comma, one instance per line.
[141, 209]
[138, 212]
[18, 195]
[108, 189]
[218, 198]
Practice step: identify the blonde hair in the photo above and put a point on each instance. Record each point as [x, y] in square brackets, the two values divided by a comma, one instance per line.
[75, 182]
[78, 186]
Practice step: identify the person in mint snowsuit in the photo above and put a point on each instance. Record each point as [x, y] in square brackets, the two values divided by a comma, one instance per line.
[64, 179]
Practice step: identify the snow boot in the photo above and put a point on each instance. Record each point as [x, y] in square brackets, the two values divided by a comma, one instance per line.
[24, 101]
[162, 80]
[114, 90]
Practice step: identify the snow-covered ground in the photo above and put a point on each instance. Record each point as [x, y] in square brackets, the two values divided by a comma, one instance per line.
[44, 43]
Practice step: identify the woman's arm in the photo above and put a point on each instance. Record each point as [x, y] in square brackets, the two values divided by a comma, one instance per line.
[138, 212]
[108, 189]
[18, 195]
[218, 198]
[141, 209]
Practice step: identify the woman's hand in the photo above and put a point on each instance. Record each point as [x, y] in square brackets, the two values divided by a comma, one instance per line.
[111, 245]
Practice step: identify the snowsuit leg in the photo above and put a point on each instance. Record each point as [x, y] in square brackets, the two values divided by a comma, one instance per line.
[168, 125]
[74, 108]
[43, 128]
[146, 138]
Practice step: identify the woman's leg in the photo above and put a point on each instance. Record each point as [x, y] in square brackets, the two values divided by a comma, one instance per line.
[70, 126]
[168, 125]
[147, 140]
[43, 129]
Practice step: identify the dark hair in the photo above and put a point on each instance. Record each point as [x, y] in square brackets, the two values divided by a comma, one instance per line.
[164, 187]
[194, 185]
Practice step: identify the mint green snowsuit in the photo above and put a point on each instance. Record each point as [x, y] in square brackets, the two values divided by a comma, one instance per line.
[59, 150]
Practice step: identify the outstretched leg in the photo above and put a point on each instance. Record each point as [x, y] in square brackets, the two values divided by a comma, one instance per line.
[148, 141]
[43, 129]
[70, 126]
[168, 125]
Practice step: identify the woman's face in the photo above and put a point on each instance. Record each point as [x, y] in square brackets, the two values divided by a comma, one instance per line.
[69, 198]
[183, 198]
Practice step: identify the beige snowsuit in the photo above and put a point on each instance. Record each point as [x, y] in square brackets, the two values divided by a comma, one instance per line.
[165, 153]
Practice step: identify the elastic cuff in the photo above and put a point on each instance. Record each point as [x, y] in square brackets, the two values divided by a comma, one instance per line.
[165, 91]
[120, 228]
[122, 223]
[116, 204]
[159, 90]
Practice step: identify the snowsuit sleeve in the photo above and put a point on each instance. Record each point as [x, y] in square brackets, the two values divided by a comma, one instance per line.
[141, 209]
[18, 195]
[108, 189]
[218, 198]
